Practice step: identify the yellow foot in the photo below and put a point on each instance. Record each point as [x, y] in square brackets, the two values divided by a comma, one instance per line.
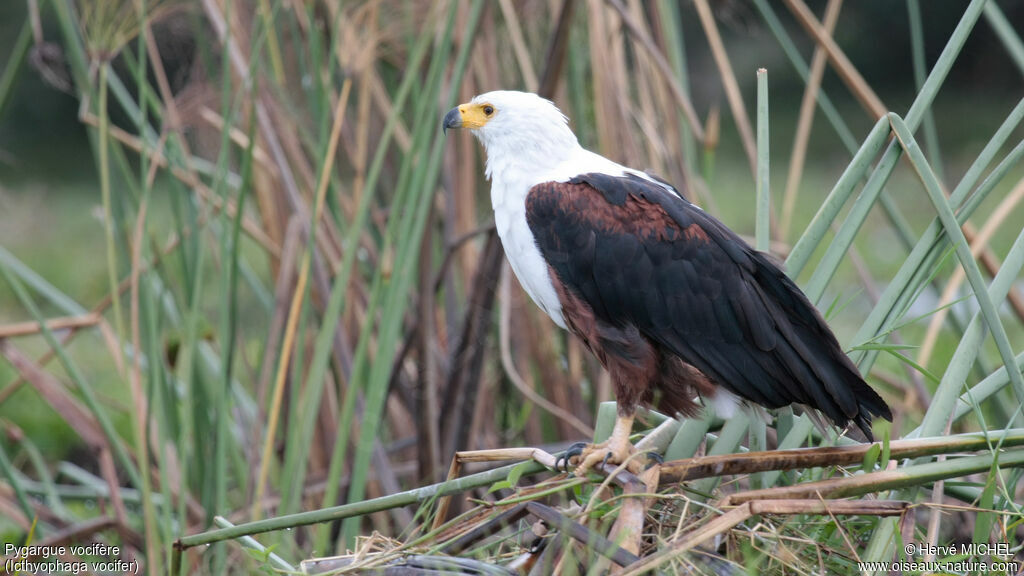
[607, 452]
[615, 450]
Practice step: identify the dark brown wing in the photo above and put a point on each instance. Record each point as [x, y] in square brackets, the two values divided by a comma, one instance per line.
[641, 255]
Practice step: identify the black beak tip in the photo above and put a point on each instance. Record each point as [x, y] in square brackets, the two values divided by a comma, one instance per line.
[453, 119]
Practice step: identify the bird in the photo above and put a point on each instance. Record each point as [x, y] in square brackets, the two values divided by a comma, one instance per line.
[674, 304]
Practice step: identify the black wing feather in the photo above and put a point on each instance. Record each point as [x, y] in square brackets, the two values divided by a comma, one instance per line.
[697, 289]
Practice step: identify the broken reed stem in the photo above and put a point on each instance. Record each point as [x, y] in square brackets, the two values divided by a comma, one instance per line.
[497, 455]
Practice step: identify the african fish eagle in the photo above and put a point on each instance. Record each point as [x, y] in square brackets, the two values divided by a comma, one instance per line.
[668, 298]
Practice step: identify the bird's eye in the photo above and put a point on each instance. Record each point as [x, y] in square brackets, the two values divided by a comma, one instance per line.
[488, 110]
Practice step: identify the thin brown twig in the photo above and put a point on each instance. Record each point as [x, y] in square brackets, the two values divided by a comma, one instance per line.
[515, 32]
[847, 71]
[663, 66]
[513, 373]
[806, 119]
[189, 179]
[56, 394]
[841, 529]
[108, 471]
[30, 328]
[558, 46]
[240, 138]
[732, 89]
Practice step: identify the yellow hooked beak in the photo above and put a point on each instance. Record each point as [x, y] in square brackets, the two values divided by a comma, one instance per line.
[469, 115]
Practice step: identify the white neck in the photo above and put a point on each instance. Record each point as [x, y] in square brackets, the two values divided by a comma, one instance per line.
[527, 151]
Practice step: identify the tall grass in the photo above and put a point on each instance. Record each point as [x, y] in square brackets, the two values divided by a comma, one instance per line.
[317, 337]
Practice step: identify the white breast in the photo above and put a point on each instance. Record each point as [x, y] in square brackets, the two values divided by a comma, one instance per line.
[523, 254]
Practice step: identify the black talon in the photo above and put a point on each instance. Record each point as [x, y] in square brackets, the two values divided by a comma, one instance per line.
[570, 452]
[654, 458]
[538, 545]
